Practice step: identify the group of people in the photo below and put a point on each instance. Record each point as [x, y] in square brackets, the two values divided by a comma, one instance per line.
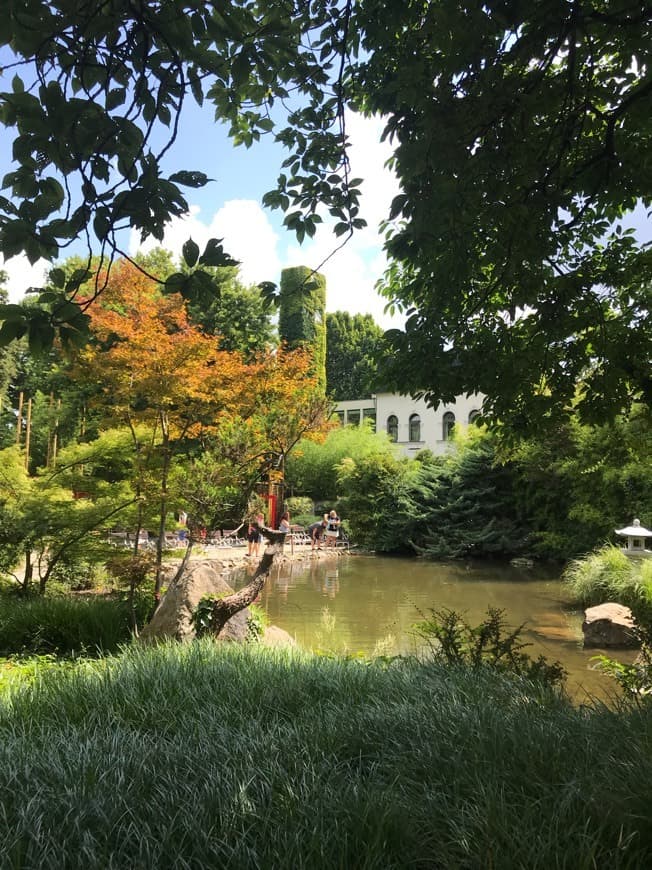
[327, 529]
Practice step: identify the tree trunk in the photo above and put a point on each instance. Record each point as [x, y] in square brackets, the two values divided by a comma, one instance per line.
[29, 570]
[225, 608]
[160, 540]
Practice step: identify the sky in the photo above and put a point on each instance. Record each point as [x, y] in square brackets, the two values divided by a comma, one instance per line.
[230, 208]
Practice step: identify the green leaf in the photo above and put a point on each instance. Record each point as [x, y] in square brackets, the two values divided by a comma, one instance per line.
[175, 283]
[57, 277]
[115, 98]
[190, 251]
[190, 178]
[12, 330]
[214, 255]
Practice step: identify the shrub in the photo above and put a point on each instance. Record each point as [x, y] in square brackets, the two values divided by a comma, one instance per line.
[298, 505]
[65, 624]
[490, 644]
[610, 575]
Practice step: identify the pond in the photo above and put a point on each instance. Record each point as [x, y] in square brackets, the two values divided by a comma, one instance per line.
[368, 604]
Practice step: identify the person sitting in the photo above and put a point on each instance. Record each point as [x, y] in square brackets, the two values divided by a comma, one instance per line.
[284, 525]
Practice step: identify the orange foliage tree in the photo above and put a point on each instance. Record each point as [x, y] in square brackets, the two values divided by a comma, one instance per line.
[149, 365]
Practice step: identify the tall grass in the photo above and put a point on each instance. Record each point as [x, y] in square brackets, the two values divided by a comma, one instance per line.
[204, 756]
[63, 624]
[609, 575]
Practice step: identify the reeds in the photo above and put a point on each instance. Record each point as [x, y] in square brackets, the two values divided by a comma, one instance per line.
[224, 756]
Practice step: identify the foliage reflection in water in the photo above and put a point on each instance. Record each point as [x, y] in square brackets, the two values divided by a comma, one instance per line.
[368, 605]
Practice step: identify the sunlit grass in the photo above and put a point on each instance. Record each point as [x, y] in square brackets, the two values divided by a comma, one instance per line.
[609, 575]
[226, 756]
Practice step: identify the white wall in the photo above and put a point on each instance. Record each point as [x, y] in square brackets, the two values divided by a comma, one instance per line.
[432, 422]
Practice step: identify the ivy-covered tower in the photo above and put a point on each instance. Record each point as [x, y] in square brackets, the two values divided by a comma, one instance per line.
[302, 320]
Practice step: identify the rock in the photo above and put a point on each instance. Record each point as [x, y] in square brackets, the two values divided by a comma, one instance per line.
[172, 618]
[275, 636]
[609, 625]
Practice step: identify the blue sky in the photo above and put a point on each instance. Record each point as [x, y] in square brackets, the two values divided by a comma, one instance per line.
[230, 208]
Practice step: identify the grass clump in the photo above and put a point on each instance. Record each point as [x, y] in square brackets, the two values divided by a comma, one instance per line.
[210, 755]
[609, 575]
[66, 624]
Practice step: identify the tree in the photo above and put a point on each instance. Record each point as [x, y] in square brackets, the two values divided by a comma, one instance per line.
[352, 343]
[237, 315]
[150, 366]
[43, 520]
[579, 486]
[95, 104]
[313, 467]
[522, 141]
[302, 303]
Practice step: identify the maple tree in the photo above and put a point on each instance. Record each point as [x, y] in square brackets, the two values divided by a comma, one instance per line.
[149, 365]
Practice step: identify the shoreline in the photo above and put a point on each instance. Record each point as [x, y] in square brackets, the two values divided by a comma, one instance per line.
[235, 557]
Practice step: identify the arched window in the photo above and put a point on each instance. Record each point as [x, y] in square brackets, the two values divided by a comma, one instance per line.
[392, 427]
[473, 415]
[415, 427]
[448, 425]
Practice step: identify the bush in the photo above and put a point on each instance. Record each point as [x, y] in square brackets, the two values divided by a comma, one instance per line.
[77, 576]
[312, 468]
[66, 624]
[610, 575]
[490, 644]
[298, 505]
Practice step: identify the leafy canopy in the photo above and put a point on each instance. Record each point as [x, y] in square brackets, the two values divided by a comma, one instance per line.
[523, 138]
[94, 106]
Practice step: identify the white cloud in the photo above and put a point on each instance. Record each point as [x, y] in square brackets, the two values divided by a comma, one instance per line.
[21, 275]
[244, 226]
[351, 272]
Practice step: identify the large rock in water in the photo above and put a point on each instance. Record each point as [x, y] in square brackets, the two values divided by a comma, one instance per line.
[609, 625]
[172, 618]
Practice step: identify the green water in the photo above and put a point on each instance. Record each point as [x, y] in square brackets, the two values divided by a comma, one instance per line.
[369, 604]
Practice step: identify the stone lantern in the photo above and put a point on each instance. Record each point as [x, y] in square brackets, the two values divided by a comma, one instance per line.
[636, 535]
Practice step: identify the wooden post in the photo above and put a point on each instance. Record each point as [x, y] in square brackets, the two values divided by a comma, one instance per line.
[28, 432]
[19, 419]
[55, 434]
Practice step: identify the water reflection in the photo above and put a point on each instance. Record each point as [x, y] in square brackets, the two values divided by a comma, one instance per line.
[369, 605]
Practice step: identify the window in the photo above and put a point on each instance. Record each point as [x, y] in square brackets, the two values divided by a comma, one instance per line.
[353, 418]
[415, 428]
[392, 427]
[340, 417]
[473, 415]
[448, 425]
[370, 414]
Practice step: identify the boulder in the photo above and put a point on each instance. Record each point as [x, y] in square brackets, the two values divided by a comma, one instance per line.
[609, 625]
[275, 636]
[172, 618]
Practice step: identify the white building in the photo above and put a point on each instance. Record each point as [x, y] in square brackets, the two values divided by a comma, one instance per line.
[411, 423]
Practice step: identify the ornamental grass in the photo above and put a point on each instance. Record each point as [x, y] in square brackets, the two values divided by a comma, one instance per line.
[209, 755]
